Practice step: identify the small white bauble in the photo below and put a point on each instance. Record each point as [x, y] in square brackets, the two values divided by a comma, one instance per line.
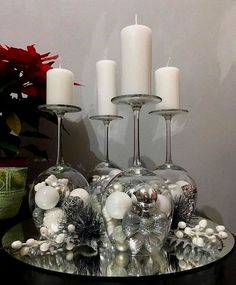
[47, 197]
[60, 238]
[164, 204]
[117, 204]
[43, 231]
[71, 228]
[82, 194]
[222, 235]
[179, 234]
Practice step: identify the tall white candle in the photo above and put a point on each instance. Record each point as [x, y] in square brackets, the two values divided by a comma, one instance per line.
[167, 86]
[106, 87]
[136, 59]
[60, 83]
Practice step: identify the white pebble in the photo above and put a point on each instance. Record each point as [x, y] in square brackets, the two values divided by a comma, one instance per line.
[31, 242]
[182, 225]
[17, 244]
[209, 231]
[47, 197]
[220, 228]
[198, 241]
[222, 235]
[203, 223]
[118, 187]
[69, 256]
[60, 238]
[118, 204]
[44, 246]
[71, 228]
[179, 234]
[82, 194]
[24, 250]
[39, 186]
[188, 231]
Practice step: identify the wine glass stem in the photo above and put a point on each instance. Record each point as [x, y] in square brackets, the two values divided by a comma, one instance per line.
[168, 139]
[59, 140]
[106, 140]
[136, 156]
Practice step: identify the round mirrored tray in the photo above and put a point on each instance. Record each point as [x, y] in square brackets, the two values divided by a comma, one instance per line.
[92, 260]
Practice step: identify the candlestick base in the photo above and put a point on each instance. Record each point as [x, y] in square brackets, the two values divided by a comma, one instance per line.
[136, 100]
[106, 118]
[168, 112]
[59, 109]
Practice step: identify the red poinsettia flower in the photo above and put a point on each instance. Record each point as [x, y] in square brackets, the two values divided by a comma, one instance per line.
[22, 90]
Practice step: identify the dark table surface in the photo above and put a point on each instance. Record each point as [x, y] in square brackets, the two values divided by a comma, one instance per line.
[222, 271]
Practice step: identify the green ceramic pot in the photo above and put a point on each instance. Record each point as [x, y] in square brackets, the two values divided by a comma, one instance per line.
[13, 175]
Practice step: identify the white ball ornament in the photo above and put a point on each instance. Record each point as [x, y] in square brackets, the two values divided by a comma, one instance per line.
[47, 197]
[82, 194]
[164, 204]
[203, 223]
[117, 204]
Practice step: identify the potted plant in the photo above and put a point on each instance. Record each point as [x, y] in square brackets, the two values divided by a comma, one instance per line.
[22, 90]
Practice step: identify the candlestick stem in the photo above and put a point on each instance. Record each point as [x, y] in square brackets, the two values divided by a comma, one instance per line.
[60, 159]
[136, 155]
[106, 140]
[168, 139]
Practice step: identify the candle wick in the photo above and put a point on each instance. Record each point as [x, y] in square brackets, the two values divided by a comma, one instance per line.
[136, 19]
[168, 62]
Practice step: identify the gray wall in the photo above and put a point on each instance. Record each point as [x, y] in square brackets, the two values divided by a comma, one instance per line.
[200, 36]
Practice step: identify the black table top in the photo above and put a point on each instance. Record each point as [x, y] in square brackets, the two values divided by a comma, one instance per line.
[222, 271]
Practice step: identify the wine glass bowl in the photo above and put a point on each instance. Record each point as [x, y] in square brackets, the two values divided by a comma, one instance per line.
[137, 213]
[59, 182]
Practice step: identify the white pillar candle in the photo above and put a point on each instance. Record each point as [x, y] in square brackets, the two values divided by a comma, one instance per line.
[60, 83]
[136, 60]
[106, 87]
[167, 87]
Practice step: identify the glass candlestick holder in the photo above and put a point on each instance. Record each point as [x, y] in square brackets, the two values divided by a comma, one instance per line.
[137, 205]
[182, 186]
[105, 170]
[106, 166]
[58, 187]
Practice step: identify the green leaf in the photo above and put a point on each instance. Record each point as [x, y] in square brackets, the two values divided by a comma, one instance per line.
[34, 134]
[14, 123]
